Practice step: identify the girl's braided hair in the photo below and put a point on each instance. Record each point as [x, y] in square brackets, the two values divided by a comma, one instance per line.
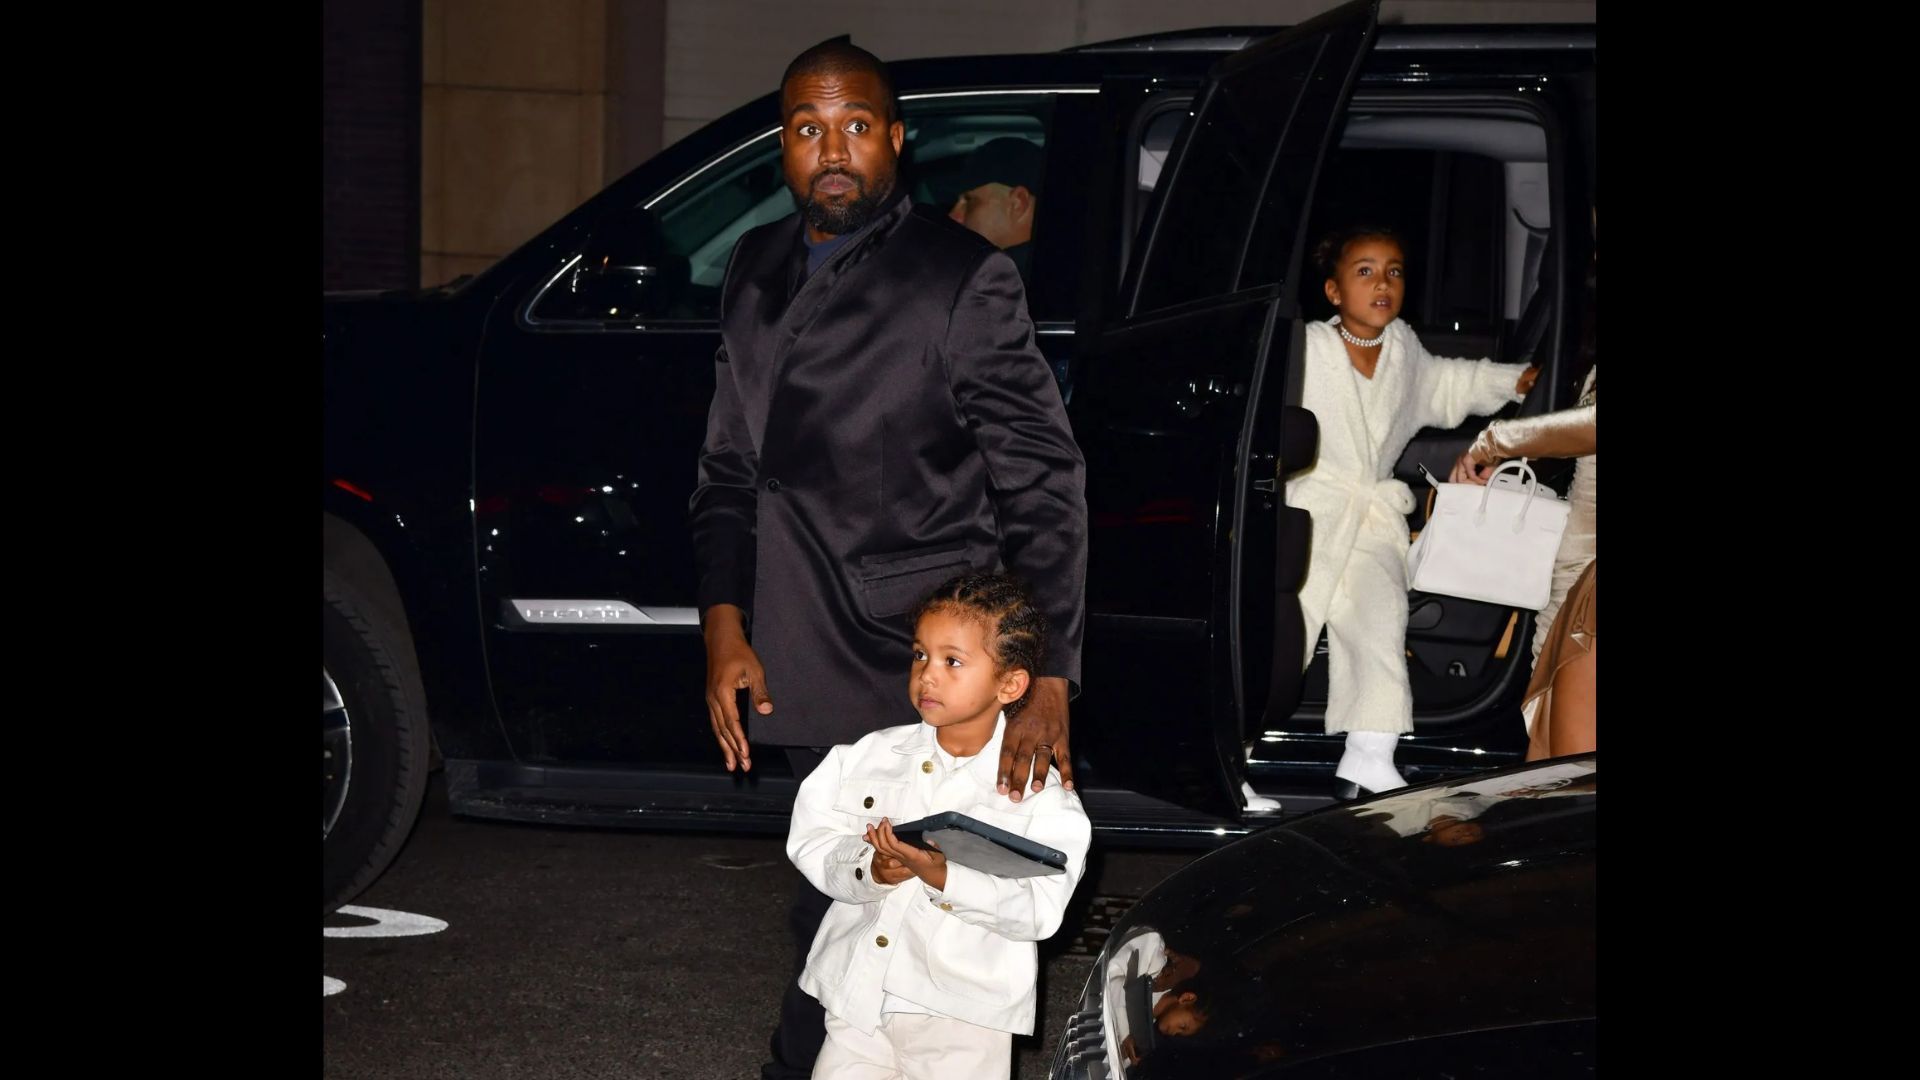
[1016, 631]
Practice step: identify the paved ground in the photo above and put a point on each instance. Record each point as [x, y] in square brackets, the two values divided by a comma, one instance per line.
[586, 953]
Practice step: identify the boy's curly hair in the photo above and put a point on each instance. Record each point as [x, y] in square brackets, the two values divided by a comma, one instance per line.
[1016, 631]
[1326, 254]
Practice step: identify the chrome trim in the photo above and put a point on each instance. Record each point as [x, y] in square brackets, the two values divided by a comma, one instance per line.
[602, 613]
[533, 304]
[690, 177]
[1005, 91]
[336, 740]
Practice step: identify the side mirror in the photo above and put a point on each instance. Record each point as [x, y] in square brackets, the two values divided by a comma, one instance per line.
[627, 271]
[610, 290]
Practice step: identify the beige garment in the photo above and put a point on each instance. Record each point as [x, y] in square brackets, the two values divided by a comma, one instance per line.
[1574, 633]
[1569, 433]
[913, 1046]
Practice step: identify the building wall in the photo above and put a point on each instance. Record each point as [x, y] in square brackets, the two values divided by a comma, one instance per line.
[722, 53]
[529, 107]
[525, 107]
[370, 144]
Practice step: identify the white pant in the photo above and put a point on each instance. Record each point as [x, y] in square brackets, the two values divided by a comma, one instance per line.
[1367, 682]
[909, 1046]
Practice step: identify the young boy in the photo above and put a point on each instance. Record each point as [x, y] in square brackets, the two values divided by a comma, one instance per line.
[927, 969]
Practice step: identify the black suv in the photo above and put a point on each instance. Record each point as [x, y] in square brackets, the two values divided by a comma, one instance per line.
[507, 460]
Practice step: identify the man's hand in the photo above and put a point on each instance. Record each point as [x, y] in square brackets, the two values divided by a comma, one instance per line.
[927, 864]
[1035, 737]
[732, 665]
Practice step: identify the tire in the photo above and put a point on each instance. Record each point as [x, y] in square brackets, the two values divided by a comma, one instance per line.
[377, 745]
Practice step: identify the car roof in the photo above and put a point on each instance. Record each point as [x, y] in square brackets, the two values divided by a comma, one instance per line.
[1219, 39]
[1497, 51]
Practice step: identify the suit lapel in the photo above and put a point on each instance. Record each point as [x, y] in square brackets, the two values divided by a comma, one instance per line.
[810, 298]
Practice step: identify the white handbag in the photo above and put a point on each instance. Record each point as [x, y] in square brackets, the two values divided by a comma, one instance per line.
[1494, 543]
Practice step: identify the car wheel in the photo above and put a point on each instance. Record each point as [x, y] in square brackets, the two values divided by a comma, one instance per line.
[376, 746]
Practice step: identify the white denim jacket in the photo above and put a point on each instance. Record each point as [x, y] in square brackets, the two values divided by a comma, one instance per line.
[967, 951]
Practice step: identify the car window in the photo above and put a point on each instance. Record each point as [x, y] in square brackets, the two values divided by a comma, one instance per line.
[675, 246]
[1450, 210]
[703, 220]
[1159, 123]
[1222, 214]
[1474, 223]
[1468, 192]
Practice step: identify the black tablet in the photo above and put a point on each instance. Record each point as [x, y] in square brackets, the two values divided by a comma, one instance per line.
[974, 843]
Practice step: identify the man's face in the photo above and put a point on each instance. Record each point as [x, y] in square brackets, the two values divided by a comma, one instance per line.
[839, 148]
[1000, 213]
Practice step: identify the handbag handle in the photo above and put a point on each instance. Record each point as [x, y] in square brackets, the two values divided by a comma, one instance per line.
[1533, 485]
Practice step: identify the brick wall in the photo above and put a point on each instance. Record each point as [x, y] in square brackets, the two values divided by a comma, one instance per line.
[370, 133]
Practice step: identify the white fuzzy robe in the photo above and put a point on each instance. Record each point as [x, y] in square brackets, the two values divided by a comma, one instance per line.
[1356, 585]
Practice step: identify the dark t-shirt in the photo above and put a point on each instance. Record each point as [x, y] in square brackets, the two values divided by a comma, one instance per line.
[818, 253]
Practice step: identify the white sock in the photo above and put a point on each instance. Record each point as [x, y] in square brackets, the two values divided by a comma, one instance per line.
[1368, 761]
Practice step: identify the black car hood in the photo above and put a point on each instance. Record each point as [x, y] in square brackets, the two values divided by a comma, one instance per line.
[1454, 907]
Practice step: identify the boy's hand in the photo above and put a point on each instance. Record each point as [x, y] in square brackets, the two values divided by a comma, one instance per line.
[927, 864]
[887, 870]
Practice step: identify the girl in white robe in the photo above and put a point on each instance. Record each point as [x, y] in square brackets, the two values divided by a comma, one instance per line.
[1372, 387]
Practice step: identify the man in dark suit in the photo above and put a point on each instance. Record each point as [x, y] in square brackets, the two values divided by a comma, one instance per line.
[881, 421]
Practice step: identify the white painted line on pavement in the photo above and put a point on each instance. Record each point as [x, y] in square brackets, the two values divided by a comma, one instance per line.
[387, 924]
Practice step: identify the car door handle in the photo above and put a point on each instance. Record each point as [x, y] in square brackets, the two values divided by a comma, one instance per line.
[1265, 468]
[1191, 397]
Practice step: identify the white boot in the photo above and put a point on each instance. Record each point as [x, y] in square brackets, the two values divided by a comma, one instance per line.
[1368, 761]
[1258, 803]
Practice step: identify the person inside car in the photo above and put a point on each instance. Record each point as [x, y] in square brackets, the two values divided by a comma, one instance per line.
[998, 186]
[1372, 387]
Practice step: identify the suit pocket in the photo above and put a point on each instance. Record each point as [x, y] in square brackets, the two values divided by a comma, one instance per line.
[975, 963]
[893, 582]
[868, 800]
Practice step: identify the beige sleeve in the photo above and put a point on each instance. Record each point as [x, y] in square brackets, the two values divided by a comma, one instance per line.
[1569, 433]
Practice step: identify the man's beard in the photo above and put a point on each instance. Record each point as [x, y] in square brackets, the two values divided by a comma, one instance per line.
[848, 216]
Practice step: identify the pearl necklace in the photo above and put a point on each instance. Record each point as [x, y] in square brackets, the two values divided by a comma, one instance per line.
[1362, 342]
